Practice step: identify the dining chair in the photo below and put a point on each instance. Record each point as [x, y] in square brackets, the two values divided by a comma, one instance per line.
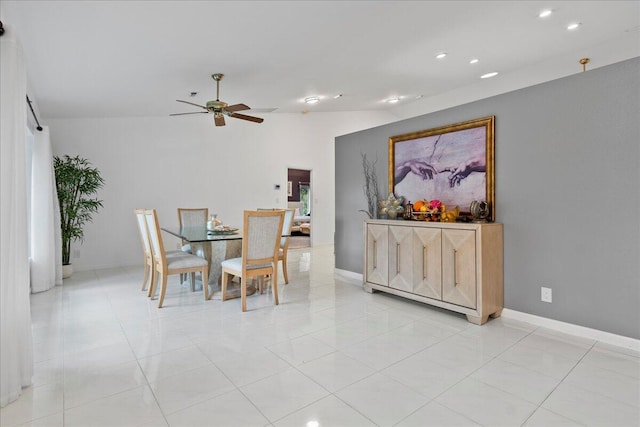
[146, 248]
[165, 266]
[284, 241]
[149, 270]
[191, 217]
[261, 234]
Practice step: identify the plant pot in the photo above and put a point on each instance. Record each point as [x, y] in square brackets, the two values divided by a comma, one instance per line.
[67, 271]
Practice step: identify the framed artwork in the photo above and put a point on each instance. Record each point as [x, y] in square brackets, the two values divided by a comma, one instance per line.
[289, 189]
[453, 163]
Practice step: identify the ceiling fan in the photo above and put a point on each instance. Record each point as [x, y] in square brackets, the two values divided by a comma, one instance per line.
[221, 109]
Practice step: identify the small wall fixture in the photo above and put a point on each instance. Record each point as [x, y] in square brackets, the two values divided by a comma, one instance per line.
[312, 100]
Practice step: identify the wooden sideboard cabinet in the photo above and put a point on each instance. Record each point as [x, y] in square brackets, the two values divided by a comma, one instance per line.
[457, 266]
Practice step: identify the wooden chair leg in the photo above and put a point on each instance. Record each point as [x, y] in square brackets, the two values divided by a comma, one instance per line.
[163, 289]
[243, 294]
[193, 282]
[146, 277]
[205, 283]
[223, 287]
[284, 270]
[274, 285]
[153, 284]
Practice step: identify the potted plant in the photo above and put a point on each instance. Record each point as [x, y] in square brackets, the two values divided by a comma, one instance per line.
[76, 182]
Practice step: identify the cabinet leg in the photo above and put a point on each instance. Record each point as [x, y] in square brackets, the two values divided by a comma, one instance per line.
[498, 313]
[478, 320]
[368, 288]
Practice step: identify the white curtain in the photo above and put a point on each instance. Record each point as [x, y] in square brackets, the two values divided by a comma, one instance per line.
[46, 245]
[16, 350]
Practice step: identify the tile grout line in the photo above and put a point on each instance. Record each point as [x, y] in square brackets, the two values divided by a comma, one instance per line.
[558, 385]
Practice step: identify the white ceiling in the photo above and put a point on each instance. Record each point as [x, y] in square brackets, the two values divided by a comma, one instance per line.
[135, 58]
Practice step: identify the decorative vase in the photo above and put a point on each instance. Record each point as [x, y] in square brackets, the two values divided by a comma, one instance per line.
[213, 222]
[67, 271]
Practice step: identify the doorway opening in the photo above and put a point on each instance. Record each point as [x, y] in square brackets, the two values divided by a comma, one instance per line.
[299, 198]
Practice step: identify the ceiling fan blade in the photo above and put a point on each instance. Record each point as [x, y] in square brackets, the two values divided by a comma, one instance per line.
[237, 107]
[245, 117]
[195, 112]
[191, 103]
[219, 120]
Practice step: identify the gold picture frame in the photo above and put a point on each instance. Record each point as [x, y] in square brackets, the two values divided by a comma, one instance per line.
[454, 164]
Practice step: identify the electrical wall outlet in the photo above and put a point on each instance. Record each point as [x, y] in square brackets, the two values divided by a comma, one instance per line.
[545, 294]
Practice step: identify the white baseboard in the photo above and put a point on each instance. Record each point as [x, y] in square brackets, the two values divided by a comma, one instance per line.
[570, 328]
[348, 274]
[105, 267]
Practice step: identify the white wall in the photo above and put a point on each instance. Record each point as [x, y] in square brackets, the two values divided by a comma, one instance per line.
[170, 162]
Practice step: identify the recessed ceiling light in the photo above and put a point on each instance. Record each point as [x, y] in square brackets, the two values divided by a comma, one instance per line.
[474, 61]
[441, 55]
[393, 100]
[488, 75]
[545, 13]
[312, 100]
[337, 96]
[573, 26]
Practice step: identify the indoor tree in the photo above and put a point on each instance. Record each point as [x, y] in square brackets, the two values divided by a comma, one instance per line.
[77, 181]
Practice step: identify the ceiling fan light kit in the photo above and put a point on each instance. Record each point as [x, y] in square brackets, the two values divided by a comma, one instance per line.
[219, 109]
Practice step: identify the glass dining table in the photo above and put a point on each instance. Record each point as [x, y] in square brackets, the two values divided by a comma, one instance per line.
[215, 247]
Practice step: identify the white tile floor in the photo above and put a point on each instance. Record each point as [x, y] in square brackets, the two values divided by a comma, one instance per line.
[330, 352]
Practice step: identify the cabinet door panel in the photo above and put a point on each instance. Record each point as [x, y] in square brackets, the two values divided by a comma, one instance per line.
[377, 253]
[427, 262]
[459, 267]
[400, 258]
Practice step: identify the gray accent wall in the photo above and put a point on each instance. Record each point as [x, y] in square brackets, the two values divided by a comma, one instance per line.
[567, 191]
